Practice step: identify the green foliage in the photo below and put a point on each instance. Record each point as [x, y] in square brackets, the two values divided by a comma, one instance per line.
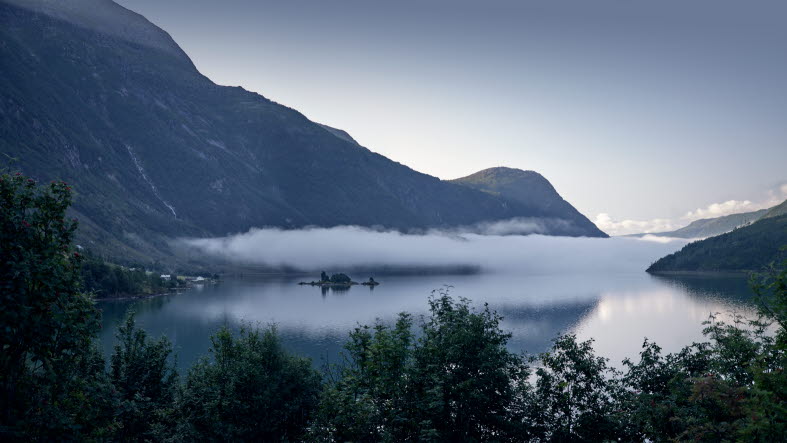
[456, 382]
[51, 378]
[250, 390]
[730, 388]
[577, 397]
[340, 278]
[146, 382]
[107, 280]
[465, 373]
[369, 400]
[749, 248]
[766, 407]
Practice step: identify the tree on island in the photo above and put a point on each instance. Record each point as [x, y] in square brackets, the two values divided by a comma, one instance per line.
[324, 277]
[341, 278]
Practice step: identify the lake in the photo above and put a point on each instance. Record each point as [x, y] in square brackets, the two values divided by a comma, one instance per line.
[618, 310]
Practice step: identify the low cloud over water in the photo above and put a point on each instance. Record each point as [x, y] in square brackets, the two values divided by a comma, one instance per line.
[349, 247]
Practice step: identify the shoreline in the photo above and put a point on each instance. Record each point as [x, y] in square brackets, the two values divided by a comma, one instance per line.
[704, 273]
[140, 296]
[174, 291]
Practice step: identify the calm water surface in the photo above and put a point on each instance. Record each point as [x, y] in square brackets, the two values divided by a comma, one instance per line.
[617, 310]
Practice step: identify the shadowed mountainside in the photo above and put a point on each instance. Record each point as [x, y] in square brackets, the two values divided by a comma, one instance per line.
[534, 193]
[96, 95]
[709, 227]
[749, 248]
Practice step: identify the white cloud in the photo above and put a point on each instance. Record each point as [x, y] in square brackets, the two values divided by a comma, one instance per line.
[622, 227]
[725, 208]
[659, 239]
[774, 196]
[348, 247]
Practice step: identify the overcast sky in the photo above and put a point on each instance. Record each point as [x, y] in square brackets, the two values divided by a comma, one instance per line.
[638, 111]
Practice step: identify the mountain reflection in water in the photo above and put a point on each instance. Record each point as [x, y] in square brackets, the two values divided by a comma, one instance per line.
[617, 310]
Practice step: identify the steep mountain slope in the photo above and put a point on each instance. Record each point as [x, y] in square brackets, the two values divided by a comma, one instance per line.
[709, 227]
[749, 248]
[776, 211]
[94, 94]
[531, 190]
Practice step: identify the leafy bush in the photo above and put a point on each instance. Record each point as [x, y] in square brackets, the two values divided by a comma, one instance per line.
[456, 382]
[577, 397]
[51, 377]
[250, 390]
[145, 380]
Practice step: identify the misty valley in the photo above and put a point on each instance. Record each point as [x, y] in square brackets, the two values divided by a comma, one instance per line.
[403, 221]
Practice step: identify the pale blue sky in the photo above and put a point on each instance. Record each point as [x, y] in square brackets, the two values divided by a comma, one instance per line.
[639, 110]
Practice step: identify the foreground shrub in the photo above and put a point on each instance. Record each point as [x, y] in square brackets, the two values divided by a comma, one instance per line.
[52, 379]
[146, 383]
[577, 396]
[457, 381]
[250, 389]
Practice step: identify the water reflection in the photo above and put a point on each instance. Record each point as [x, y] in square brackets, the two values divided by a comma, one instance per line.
[618, 310]
[669, 311]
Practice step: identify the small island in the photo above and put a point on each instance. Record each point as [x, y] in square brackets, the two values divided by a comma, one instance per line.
[339, 280]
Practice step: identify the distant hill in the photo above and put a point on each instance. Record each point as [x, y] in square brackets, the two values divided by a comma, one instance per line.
[96, 95]
[531, 190]
[749, 248]
[709, 227]
[776, 211]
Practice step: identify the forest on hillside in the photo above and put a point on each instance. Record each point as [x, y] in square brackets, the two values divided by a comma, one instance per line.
[748, 248]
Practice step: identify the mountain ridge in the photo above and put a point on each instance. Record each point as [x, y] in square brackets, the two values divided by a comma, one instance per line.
[157, 150]
[749, 248]
[511, 184]
[710, 227]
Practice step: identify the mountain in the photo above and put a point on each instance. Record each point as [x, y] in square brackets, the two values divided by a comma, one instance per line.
[534, 193]
[776, 211]
[96, 95]
[709, 227]
[749, 248]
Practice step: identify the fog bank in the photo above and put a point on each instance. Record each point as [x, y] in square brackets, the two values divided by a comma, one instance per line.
[350, 247]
